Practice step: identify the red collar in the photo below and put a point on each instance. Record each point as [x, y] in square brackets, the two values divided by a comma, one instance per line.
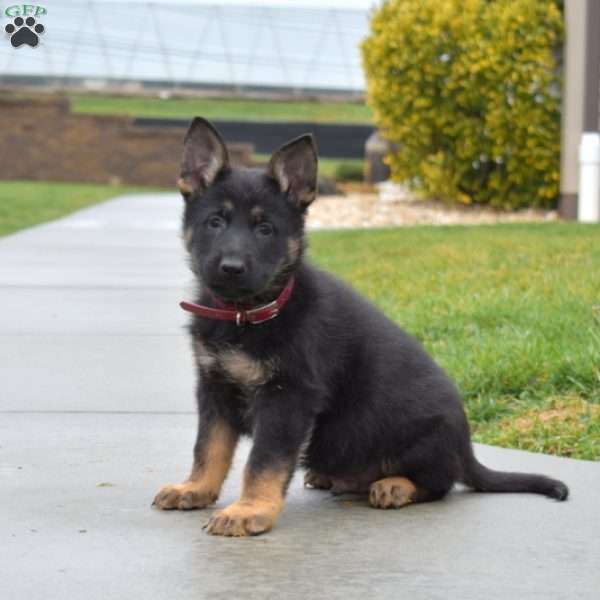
[257, 315]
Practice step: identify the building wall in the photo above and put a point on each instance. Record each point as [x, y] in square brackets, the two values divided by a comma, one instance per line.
[40, 139]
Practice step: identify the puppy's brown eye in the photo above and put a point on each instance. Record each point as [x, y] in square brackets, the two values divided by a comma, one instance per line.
[264, 229]
[215, 222]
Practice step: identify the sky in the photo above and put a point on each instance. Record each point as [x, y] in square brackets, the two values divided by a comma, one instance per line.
[282, 43]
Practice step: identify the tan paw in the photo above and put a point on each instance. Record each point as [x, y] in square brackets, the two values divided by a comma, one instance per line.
[392, 492]
[184, 496]
[242, 518]
[316, 481]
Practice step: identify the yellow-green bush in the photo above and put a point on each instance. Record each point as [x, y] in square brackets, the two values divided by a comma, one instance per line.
[469, 92]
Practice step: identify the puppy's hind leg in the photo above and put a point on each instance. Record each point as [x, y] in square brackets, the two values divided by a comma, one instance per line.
[424, 474]
[396, 492]
[317, 481]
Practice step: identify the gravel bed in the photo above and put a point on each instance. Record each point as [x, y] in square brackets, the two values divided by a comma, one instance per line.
[356, 210]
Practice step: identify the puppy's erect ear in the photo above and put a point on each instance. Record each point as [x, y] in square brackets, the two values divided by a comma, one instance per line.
[204, 155]
[294, 167]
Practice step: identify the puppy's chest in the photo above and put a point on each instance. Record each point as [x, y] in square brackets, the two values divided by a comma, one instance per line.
[233, 364]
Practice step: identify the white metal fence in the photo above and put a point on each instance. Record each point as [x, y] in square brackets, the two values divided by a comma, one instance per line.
[294, 45]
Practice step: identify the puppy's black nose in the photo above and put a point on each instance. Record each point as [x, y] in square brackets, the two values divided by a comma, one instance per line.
[232, 266]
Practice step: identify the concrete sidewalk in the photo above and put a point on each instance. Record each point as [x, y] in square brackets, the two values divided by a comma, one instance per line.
[97, 412]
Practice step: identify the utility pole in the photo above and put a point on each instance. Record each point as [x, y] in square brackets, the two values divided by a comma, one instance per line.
[581, 99]
[588, 201]
[591, 107]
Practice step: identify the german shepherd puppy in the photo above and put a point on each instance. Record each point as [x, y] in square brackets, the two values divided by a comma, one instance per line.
[293, 357]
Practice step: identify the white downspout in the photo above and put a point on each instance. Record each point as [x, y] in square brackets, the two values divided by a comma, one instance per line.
[588, 210]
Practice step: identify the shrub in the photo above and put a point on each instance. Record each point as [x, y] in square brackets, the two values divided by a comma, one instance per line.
[469, 93]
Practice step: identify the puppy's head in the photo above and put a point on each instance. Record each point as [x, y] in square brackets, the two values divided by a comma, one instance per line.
[244, 227]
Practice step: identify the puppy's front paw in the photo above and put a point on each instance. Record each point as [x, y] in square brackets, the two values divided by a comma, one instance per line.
[243, 518]
[184, 496]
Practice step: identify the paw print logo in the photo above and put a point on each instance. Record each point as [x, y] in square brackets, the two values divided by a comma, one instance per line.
[24, 31]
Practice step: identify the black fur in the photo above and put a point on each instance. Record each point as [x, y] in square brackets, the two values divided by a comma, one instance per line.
[347, 392]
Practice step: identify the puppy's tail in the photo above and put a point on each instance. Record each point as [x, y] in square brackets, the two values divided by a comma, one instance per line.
[482, 479]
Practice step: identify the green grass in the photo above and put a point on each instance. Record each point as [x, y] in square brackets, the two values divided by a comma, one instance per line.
[215, 108]
[512, 312]
[27, 203]
[567, 425]
[340, 169]
[335, 168]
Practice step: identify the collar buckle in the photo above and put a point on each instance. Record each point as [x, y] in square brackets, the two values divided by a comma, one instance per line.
[264, 313]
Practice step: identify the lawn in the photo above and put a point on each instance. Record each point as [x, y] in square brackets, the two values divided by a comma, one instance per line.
[218, 108]
[512, 312]
[26, 203]
[340, 169]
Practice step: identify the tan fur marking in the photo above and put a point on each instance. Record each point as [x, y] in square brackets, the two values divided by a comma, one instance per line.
[208, 473]
[265, 487]
[185, 187]
[306, 197]
[392, 492]
[211, 469]
[293, 249]
[228, 205]
[257, 509]
[205, 359]
[243, 369]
